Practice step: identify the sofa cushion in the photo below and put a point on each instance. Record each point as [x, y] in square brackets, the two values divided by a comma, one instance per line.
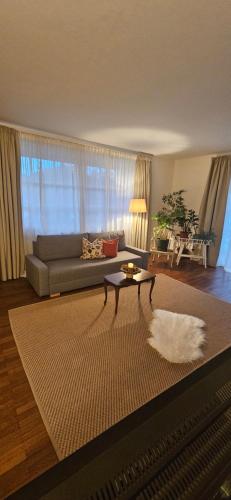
[65, 270]
[99, 236]
[110, 247]
[61, 246]
[92, 249]
[110, 235]
[121, 236]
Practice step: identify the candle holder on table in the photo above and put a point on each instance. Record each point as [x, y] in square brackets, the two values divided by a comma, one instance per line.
[130, 270]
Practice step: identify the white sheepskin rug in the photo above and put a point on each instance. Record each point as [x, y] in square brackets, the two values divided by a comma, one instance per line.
[177, 337]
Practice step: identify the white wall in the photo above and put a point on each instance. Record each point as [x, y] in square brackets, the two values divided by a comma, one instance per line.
[161, 180]
[171, 175]
[191, 174]
[185, 173]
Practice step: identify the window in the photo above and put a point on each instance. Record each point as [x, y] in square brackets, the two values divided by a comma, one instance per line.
[67, 188]
[224, 258]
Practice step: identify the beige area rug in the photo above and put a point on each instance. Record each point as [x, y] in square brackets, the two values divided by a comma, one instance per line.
[88, 369]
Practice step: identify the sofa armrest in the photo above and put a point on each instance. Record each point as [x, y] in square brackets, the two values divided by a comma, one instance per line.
[37, 275]
[142, 253]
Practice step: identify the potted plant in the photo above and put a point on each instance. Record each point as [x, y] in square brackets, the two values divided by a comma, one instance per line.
[161, 230]
[177, 214]
[189, 223]
[205, 236]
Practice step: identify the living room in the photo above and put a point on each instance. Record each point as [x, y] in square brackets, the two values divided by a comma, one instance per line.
[115, 249]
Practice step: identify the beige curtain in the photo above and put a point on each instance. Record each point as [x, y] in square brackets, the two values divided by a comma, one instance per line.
[11, 234]
[212, 211]
[141, 190]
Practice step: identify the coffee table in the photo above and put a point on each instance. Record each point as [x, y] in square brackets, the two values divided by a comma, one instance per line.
[119, 280]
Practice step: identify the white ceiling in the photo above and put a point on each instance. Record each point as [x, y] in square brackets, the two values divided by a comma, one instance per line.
[149, 75]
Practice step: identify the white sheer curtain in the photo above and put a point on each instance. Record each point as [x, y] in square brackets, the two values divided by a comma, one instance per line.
[224, 258]
[69, 187]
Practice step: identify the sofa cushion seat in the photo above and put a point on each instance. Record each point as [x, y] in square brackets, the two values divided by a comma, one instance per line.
[64, 270]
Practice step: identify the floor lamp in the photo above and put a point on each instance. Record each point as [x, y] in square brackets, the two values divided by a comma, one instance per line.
[138, 206]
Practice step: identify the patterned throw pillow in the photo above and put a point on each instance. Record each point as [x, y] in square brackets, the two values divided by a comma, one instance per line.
[92, 250]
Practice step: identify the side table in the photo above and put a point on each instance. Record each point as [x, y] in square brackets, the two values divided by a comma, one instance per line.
[119, 280]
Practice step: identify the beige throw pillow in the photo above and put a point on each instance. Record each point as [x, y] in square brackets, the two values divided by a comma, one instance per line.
[92, 250]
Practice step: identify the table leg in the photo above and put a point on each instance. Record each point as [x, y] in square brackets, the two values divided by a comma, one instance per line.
[152, 285]
[105, 291]
[139, 289]
[173, 252]
[205, 255]
[117, 292]
[179, 254]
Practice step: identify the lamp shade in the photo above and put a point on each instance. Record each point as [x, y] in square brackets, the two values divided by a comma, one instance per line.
[138, 205]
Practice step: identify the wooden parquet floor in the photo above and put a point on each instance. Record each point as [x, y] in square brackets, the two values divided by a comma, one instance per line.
[25, 448]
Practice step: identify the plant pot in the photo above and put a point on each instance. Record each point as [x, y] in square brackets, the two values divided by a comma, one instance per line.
[162, 245]
[183, 234]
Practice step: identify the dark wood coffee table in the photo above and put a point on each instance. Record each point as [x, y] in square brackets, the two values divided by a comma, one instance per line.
[119, 280]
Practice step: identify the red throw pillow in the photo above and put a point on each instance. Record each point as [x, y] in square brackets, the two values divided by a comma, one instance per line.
[110, 248]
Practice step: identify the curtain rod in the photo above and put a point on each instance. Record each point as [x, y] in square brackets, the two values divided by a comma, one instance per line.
[217, 155]
[75, 140]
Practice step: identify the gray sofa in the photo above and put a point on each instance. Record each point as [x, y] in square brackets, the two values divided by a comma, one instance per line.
[55, 265]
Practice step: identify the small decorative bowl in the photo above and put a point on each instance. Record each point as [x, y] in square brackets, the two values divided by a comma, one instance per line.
[130, 271]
